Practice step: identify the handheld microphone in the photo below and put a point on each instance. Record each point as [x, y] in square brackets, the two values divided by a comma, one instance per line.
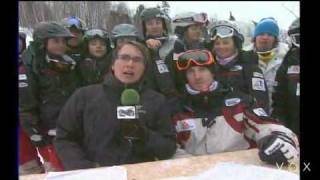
[128, 115]
[127, 110]
[130, 97]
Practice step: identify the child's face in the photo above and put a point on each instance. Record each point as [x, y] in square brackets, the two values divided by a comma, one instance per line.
[97, 47]
[57, 45]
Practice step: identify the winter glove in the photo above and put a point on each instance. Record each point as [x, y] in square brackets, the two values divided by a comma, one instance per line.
[153, 44]
[277, 148]
[133, 130]
[41, 140]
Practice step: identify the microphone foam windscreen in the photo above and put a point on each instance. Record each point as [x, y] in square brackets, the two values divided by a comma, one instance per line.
[130, 97]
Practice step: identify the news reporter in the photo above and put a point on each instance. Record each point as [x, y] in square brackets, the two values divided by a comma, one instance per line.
[90, 131]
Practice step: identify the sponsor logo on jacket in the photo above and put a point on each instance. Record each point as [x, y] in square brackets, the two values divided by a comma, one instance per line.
[295, 69]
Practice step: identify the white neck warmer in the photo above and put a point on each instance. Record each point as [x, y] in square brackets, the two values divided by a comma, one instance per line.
[212, 87]
[224, 61]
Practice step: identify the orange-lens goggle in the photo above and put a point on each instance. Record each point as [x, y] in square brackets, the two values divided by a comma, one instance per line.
[197, 56]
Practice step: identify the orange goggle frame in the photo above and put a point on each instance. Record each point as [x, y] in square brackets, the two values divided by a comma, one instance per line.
[199, 57]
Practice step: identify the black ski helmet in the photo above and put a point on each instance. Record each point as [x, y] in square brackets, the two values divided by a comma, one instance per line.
[23, 37]
[124, 30]
[95, 33]
[294, 32]
[45, 30]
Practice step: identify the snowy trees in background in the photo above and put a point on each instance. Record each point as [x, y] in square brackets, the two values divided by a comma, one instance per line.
[136, 18]
[31, 13]
[104, 14]
[96, 14]
[119, 13]
[165, 7]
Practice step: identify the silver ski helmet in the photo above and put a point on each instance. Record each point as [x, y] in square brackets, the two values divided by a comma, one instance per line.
[150, 13]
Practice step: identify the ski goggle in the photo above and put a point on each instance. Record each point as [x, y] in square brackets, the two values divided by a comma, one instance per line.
[65, 65]
[95, 32]
[295, 38]
[222, 32]
[71, 21]
[198, 57]
[197, 18]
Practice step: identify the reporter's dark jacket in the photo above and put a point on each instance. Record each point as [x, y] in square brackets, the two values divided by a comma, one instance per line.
[88, 131]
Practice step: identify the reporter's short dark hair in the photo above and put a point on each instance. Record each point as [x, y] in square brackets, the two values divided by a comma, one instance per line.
[142, 48]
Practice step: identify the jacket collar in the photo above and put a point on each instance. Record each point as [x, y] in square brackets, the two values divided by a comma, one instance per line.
[208, 100]
[280, 52]
[116, 86]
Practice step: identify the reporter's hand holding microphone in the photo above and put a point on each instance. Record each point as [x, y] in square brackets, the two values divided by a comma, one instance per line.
[131, 126]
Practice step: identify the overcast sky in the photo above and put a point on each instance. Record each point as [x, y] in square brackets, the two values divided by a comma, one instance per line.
[245, 10]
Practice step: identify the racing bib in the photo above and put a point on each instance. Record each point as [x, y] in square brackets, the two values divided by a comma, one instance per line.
[258, 84]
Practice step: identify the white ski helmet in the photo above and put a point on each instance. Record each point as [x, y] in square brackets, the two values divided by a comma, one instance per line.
[189, 18]
[182, 21]
[225, 28]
